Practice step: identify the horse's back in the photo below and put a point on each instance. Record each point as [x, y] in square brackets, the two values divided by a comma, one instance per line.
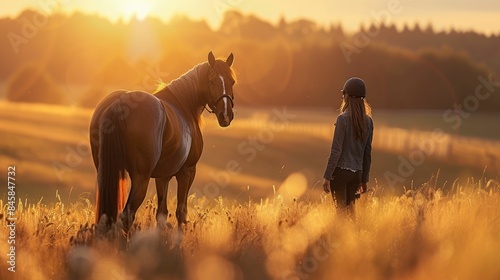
[144, 120]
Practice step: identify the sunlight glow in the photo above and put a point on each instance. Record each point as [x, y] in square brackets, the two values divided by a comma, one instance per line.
[294, 185]
[482, 15]
[137, 8]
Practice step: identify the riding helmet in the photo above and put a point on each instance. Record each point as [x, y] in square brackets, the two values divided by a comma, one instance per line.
[354, 87]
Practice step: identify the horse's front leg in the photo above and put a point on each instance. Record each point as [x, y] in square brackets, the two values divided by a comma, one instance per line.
[161, 191]
[185, 178]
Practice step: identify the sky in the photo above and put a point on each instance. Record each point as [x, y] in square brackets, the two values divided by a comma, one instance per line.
[478, 15]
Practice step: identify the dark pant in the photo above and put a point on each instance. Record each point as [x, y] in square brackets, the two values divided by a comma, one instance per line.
[344, 185]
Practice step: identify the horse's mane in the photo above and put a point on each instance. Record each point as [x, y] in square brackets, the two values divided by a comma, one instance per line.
[160, 85]
[225, 71]
[190, 74]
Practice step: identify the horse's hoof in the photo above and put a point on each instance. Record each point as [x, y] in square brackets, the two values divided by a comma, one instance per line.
[182, 218]
[161, 220]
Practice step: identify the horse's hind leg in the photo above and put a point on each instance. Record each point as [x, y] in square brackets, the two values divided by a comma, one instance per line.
[185, 178]
[135, 198]
[161, 191]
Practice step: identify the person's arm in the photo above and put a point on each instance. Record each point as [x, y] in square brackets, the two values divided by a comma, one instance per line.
[367, 158]
[336, 150]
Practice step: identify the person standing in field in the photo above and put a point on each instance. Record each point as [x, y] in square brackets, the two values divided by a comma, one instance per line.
[348, 168]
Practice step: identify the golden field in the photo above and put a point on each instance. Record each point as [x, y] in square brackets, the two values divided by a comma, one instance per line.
[269, 221]
[423, 234]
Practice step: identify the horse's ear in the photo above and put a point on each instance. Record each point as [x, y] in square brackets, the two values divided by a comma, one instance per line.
[211, 59]
[230, 60]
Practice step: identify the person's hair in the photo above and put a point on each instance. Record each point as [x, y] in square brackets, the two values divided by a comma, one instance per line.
[358, 108]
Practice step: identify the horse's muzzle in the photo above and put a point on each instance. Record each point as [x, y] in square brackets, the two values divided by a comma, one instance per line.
[224, 120]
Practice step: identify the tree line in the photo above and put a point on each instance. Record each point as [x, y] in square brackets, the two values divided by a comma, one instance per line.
[79, 58]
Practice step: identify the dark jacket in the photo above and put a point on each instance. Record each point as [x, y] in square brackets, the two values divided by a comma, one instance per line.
[347, 152]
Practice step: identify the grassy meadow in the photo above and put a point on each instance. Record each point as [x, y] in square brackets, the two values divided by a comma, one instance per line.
[49, 146]
[423, 234]
[271, 219]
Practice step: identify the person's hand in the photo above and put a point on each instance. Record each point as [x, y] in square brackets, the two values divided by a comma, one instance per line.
[326, 185]
[363, 187]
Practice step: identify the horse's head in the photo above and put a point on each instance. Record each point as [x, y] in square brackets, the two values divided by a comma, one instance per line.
[221, 80]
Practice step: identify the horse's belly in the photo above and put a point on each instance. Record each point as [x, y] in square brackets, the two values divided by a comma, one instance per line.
[173, 157]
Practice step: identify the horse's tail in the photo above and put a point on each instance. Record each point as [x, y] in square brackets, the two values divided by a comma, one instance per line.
[111, 178]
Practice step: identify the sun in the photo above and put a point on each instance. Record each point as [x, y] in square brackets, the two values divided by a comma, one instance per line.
[139, 9]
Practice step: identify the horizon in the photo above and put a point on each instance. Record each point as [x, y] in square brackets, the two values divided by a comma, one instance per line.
[482, 17]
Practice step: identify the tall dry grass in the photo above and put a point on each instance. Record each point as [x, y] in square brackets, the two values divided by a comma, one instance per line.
[424, 234]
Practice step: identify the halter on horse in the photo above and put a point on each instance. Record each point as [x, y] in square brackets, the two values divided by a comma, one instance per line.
[156, 136]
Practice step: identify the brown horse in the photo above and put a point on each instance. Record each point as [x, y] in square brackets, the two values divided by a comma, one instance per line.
[156, 136]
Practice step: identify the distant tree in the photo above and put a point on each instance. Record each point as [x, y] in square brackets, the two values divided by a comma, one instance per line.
[429, 30]
[302, 27]
[231, 23]
[290, 62]
[32, 84]
[337, 31]
[258, 29]
[282, 25]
